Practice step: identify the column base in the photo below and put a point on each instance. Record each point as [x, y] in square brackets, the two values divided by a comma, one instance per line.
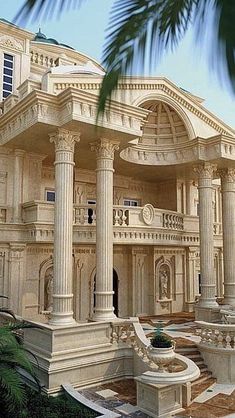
[207, 314]
[104, 316]
[228, 300]
[58, 319]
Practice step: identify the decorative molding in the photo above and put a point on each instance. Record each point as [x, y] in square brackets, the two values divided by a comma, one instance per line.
[148, 214]
[227, 175]
[11, 43]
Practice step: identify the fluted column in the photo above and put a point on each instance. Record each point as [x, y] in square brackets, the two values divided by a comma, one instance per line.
[104, 229]
[62, 313]
[228, 218]
[208, 279]
[18, 186]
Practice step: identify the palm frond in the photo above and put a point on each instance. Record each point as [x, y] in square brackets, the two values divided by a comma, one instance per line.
[224, 39]
[12, 390]
[44, 9]
[140, 31]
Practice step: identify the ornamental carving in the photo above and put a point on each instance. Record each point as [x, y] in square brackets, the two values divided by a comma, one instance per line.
[64, 140]
[148, 214]
[227, 175]
[105, 148]
[12, 43]
[205, 171]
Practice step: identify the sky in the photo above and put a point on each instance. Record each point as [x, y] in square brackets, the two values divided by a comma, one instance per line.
[187, 67]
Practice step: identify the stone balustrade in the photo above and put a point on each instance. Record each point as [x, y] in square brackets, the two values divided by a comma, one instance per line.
[42, 59]
[124, 218]
[216, 335]
[173, 221]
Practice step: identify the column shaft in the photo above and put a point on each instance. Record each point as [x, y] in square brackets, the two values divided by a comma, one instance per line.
[228, 217]
[104, 229]
[208, 280]
[62, 313]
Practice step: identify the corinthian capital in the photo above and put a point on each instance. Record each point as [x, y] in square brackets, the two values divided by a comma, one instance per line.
[227, 175]
[105, 148]
[205, 170]
[64, 140]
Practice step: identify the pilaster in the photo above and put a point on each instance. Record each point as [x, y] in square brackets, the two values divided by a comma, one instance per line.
[18, 185]
[62, 313]
[105, 150]
[16, 276]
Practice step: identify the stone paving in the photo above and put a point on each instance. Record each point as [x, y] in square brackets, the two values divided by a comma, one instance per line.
[120, 397]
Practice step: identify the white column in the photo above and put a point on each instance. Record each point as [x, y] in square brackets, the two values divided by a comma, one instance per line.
[62, 313]
[18, 186]
[104, 229]
[208, 279]
[228, 218]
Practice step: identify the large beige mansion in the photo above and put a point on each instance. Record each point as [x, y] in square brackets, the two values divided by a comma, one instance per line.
[128, 216]
[126, 230]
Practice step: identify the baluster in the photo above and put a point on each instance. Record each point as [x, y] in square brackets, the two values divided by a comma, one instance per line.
[220, 339]
[94, 217]
[123, 218]
[115, 217]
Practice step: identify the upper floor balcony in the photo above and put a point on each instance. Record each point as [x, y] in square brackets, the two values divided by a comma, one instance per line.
[139, 225]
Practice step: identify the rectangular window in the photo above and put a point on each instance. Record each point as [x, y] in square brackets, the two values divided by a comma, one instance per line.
[50, 195]
[8, 62]
[131, 202]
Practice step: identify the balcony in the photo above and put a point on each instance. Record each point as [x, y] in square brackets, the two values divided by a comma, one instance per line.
[145, 224]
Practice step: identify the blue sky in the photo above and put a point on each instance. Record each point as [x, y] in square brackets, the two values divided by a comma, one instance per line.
[84, 29]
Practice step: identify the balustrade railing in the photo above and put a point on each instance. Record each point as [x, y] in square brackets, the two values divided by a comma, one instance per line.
[216, 335]
[42, 59]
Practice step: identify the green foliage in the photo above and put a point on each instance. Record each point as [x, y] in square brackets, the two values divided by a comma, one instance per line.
[161, 341]
[39, 405]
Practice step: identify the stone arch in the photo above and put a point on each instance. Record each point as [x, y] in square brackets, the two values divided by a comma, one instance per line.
[156, 97]
[45, 277]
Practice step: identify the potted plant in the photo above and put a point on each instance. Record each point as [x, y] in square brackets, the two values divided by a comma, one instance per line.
[161, 350]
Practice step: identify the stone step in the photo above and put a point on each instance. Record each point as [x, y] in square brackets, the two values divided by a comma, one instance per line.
[198, 388]
[203, 377]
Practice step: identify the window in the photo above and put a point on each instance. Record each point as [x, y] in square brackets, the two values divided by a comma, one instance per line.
[8, 62]
[50, 195]
[131, 202]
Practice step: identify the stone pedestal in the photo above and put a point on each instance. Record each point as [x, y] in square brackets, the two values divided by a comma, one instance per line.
[62, 313]
[159, 401]
[228, 217]
[208, 279]
[104, 310]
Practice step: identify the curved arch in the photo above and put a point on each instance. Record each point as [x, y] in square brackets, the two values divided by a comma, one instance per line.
[168, 100]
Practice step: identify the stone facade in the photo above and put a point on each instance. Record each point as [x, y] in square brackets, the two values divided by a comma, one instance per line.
[129, 220]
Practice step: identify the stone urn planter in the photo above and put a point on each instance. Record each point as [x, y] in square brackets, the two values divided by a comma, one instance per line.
[161, 351]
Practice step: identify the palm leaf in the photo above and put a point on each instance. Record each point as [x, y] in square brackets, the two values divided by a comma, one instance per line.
[44, 9]
[12, 390]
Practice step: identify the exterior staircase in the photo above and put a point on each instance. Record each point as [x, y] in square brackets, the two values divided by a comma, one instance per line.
[205, 379]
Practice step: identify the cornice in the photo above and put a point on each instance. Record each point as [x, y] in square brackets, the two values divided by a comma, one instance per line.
[199, 149]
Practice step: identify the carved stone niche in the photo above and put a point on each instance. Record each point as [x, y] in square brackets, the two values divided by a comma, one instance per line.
[163, 281]
[46, 286]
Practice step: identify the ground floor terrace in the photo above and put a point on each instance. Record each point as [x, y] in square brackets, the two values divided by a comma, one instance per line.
[205, 397]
